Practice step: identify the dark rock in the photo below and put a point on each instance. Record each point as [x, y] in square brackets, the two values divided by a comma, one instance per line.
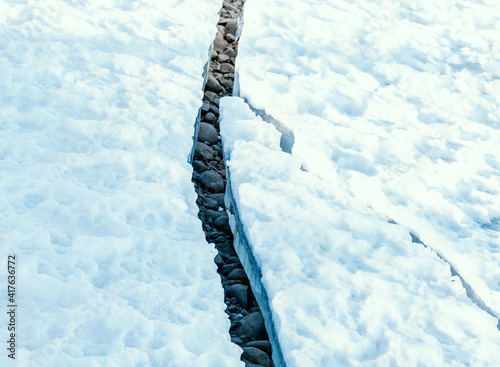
[223, 58]
[210, 203]
[203, 151]
[212, 84]
[226, 269]
[205, 107]
[226, 68]
[218, 260]
[240, 292]
[213, 215]
[210, 117]
[227, 83]
[264, 345]
[208, 134]
[226, 283]
[199, 166]
[250, 364]
[255, 355]
[211, 96]
[232, 309]
[233, 260]
[236, 340]
[214, 55]
[237, 274]
[220, 199]
[211, 180]
[252, 327]
[214, 110]
[222, 223]
[244, 312]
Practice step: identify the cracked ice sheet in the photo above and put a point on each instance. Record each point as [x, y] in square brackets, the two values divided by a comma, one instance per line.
[97, 105]
[395, 106]
[346, 287]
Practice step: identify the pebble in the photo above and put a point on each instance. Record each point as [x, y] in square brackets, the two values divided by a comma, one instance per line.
[203, 151]
[210, 117]
[252, 327]
[222, 223]
[255, 355]
[210, 203]
[199, 166]
[237, 274]
[211, 180]
[226, 68]
[264, 345]
[208, 134]
[240, 292]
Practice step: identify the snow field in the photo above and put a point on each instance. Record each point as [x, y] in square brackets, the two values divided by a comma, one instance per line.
[97, 106]
[345, 286]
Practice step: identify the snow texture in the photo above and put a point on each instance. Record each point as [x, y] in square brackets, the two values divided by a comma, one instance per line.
[97, 105]
[394, 111]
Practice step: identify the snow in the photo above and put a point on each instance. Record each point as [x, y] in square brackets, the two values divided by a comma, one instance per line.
[97, 105]
[394, 113]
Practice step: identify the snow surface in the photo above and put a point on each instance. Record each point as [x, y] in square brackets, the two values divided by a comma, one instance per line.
[97, 105]
[394, 111]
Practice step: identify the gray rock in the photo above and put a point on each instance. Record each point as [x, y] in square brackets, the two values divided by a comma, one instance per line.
[211, 180]
[237, 274]
[236, 340]
[214, 110]
[230, 52]
[205, 107]
[210, 203]
[227, 83]
[250, 364]
[264, 345]
[231, 26]
[203, 151]
[212, 84]
[233, 260]
[211, 96]
[255, 355]
[223, 58]
[252, 327]
[210, 118]
[229, 38]
[214, 55]
[226, 68]
[220, 44]
[240, 292]
[208, 134]
[213, 214]
[222, 223]
[218, 260]
[226, 269]
[199, 166]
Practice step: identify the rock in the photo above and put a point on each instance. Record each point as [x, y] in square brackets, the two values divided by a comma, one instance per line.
[213, 214]
[255, 355]
[226, 269]
[220, 199]
[214, 55]
[252, 327]
[250, 364]
[211, 96]
[233, 260]
[214, 110]
[223, 58]
[232, 309]
[211, 180]
[212, 84]
[227, 83]
[199, 166]
[222, 223]
[237, 274]
[230, 52]
[210, 117]
[218, 260]
[264, 345]
[205, 107]
[240, 292]
[231, 282]
[210, 203]
[220, 44]
[229, 38]
[231, 26]
[208, 133]
[221, 29]
[236, 340]
[226, 68]
[203, 151]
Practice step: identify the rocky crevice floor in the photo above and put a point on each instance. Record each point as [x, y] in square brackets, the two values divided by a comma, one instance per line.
[209, 178]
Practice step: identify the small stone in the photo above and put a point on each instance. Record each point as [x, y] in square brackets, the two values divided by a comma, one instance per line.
[250, 364]
[220, 199]
[203, 151]
[223, 58]
[218, 260]
[226, 269]
[210, 203]
[233, 260]
[236, 340]
[214, 110]
[231, 26]
[220, 44]
[240, 292]
[213, 215]
[222, 223]
[227, 83]
[226, 68]
[255, 355]
[221, 29]
[212, 84]
[214, 55]
[264, 345]
[229, 38]
[211, 96]
[252, 327]
[237, 274]
[230, 52]
[232, 309]
[205, 107]
[199, 166]
[211, 180]
[210, 118]
[208, 133]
